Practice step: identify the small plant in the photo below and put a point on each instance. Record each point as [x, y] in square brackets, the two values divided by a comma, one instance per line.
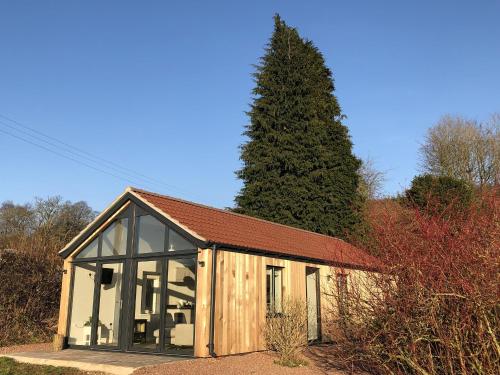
[286, 332]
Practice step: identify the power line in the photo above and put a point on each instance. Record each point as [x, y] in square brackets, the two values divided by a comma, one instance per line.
[77, 155]
[122, 173]
[62, 155]
[85, 154]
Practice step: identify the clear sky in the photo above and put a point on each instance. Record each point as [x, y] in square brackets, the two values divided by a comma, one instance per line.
[161, 87]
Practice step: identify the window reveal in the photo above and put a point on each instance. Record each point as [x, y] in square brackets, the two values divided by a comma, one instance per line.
[274, 287]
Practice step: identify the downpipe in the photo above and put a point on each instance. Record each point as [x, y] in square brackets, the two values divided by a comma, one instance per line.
[211, 344]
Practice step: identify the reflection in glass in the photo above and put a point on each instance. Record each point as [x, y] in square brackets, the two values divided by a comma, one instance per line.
[146, 329]
[151, 235]
[90, 251]
[179, 319]
[114, 238]
[312, 303]
[110, 304]
[82, 301]
[177, 242]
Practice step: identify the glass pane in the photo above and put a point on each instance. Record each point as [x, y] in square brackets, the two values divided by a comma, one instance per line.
[81, 309]
[114, 238]
[177, 242]
[110, 304]
[146, 330]
[179, 319]
[278, 287]
[151, 235]
[90, 251]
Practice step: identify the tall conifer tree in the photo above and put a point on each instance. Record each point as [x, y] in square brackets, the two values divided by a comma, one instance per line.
[298, 166]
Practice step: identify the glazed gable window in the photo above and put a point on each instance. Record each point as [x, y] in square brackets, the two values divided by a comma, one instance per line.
[274, 288]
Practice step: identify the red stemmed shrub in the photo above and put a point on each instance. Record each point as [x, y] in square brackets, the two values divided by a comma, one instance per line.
[435, 309]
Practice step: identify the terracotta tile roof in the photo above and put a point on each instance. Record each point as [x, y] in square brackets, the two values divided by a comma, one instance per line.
[227, 228]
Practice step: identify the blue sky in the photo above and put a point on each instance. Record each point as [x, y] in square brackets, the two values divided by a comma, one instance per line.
[161, 87]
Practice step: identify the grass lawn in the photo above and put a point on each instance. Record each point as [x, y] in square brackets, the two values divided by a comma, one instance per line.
[10, 367]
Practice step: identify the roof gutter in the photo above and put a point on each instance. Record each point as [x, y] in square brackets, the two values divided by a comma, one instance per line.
[211, 345]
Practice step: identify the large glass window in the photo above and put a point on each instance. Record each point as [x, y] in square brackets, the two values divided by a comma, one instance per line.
[110, 302]
[180, 313]
[90, 251]
[159, 313]
[150, 235]
[114, 238]
[81, 308]
[274, 288]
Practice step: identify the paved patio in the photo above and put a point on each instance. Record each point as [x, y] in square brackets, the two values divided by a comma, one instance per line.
[88, 360]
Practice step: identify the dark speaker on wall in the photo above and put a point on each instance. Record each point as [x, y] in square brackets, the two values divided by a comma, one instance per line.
[106, 276]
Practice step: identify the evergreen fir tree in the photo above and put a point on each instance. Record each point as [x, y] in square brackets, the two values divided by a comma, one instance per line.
[298, 166]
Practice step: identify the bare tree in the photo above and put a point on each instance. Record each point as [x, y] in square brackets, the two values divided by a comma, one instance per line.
[464, 149]
[371, 180]
[45, 226]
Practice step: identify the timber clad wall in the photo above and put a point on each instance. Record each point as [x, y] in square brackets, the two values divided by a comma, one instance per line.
[240, 307]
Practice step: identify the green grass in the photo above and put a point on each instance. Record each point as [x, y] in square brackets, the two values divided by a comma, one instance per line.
[10, 367]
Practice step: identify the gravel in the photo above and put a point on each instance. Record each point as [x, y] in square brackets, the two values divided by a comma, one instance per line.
[252, 363]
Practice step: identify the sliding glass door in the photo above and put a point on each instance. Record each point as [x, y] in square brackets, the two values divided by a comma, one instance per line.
[110, 304]
[147, 305]
[80, 327]
[164, 305]
[180, 306]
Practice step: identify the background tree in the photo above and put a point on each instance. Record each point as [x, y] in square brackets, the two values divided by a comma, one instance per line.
[371, 180]
[298, 166]
[464, 149]
[438, 193]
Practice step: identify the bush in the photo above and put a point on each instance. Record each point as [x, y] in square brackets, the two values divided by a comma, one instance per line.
[286, 332]
[436, 310]
[439, 193]
[30, 270]
[29, 297]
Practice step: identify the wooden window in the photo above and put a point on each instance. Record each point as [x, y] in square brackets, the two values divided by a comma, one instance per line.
[274, 288]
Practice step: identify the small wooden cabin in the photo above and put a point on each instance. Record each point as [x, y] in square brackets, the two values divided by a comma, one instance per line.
[158, 274]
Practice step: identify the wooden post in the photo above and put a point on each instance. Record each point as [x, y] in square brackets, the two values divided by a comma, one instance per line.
[62, 325]
[58, 343]
[203, 277]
